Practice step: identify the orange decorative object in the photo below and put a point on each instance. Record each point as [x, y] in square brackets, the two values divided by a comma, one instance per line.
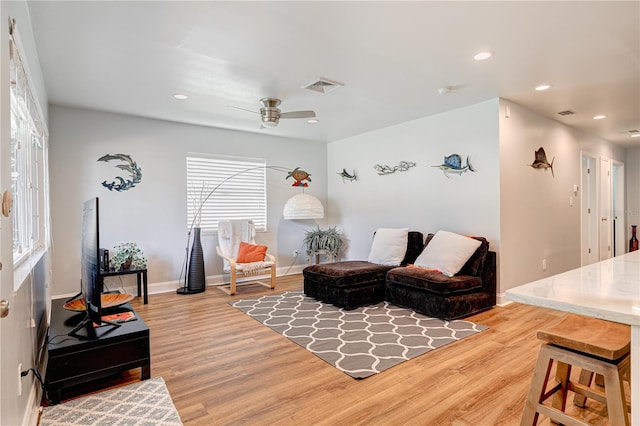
[249, 253]
[412, 266]
[108, 300]
[299, 176]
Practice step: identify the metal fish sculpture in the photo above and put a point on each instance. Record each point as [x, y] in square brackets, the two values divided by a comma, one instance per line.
[299, 176]
[348, 177]
[541, 161]
[453, 164]
[403, 166]
[121, 184]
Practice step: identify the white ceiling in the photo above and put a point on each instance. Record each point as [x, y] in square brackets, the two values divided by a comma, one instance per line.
[131, 57]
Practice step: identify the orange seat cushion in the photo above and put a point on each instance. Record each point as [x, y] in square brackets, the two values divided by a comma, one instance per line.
[248, 253]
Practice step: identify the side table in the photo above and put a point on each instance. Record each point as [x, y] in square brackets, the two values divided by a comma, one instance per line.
[141, 276]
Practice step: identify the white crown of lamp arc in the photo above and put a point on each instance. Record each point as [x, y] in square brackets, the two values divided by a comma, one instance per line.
[303, 206]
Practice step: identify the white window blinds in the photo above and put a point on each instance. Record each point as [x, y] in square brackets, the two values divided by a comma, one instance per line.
[225, 188]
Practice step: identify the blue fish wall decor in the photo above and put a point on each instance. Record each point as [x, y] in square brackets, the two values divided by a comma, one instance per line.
[453, 164]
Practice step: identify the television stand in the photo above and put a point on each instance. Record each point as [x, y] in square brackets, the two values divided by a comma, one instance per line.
[87, 324]
[77, 360]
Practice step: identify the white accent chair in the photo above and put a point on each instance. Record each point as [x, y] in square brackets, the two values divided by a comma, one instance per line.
[230, 234]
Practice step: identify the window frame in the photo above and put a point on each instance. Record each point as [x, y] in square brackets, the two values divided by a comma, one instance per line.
[29, 139]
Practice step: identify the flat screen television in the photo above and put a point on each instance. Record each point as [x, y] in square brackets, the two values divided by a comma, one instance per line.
[90, 277]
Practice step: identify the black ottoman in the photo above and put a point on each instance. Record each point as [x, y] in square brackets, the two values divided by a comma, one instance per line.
[348, 284]
[355, 283]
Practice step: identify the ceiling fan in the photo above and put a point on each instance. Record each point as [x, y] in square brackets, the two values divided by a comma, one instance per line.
[271, 114]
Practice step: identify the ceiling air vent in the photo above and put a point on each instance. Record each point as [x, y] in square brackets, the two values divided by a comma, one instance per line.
[567, 112]
[323, 85]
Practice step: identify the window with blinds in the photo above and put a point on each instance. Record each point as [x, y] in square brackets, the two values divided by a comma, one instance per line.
[225, 188]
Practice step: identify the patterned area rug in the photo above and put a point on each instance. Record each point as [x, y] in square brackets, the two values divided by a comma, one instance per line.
[361, 342]
[146, 403]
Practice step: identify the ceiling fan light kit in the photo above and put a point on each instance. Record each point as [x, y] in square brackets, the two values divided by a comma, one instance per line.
[270, 113]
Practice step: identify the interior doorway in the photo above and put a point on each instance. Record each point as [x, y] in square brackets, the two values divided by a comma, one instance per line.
[605, 234]
[619, 223]
[590, 252]
[602, 208]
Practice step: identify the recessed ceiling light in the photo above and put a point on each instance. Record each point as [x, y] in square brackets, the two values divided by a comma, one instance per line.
[599, 117]
[542, 87]
[180, 96]
[481, 56]
[312, 120]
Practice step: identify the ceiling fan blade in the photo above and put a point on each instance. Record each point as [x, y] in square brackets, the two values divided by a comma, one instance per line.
[242, 109]
[298, 114]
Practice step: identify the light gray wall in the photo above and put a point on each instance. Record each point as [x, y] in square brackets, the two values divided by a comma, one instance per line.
[19, 343]
[537, 221]
[422, 198]
[525, 213]
[153, 214]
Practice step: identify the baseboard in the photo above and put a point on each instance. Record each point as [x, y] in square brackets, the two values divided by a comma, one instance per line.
[212, 280]
[32, 413]
[502, 300]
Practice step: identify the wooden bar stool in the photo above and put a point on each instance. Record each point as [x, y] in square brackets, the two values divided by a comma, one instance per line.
[597, 346]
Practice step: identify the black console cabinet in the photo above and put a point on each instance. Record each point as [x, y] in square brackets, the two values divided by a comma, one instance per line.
[105, 351]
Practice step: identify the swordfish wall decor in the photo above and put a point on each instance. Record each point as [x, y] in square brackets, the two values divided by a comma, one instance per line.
[121, 184]
[348, 177]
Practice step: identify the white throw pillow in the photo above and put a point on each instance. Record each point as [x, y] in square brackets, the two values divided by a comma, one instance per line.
[447, 252]
[389, 246]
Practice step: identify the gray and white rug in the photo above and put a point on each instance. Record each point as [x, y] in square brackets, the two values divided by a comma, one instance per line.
[361, 342]
[146, 403]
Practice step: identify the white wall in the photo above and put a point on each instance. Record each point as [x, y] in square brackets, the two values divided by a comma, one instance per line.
[421, 198]
[537, 221]
[153, 214]
[18, 341]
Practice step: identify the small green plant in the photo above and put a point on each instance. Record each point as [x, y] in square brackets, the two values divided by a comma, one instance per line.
[128, 254]
[330, 240]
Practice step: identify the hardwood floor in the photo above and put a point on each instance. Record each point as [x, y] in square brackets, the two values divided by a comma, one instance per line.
[222, 367]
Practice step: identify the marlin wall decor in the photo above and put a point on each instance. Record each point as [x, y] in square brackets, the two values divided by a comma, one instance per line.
[348, 177]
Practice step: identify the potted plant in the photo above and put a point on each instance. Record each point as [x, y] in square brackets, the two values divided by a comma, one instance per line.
[329, 240]
[128, 255]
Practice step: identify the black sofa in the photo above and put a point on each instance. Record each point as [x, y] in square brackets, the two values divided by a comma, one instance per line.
[351, 284]
[470, 291]
[355, 283]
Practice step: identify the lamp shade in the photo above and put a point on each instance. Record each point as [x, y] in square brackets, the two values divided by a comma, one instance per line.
[303, 206]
